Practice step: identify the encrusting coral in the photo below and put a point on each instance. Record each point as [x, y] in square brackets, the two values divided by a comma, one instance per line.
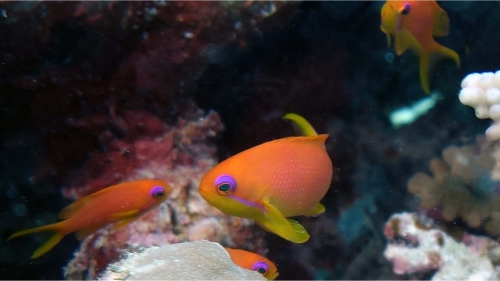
[200, 260]
[415, 246]
[464, 185]
[179, 156]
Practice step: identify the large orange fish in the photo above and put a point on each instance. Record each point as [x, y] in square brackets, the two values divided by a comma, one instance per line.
[120, 204]
[278, 179]
[255, 262]
[414, 25]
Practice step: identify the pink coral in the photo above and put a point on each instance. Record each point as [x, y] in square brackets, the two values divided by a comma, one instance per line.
[180, 156]
[415, 245]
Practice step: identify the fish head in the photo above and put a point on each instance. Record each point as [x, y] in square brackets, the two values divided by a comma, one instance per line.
[154, 192]
[227, 187]
[266, 268]
[394, 15]
[255, 262]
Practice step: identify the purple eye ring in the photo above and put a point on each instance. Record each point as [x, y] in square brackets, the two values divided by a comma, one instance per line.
[157, 192]
[225, 184]
[261, 267]
[406, 9]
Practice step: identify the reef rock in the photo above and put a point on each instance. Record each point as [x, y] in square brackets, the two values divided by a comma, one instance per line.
[200, 260]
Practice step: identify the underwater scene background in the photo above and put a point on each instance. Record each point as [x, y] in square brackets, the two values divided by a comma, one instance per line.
[94, 94]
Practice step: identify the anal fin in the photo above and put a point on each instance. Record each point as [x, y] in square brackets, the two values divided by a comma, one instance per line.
[316, 210]
[121, 224]
[81, 234]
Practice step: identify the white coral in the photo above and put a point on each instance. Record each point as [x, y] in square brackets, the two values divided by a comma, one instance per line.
[482, 92]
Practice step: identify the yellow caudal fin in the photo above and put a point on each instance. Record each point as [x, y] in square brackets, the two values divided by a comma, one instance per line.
[273, 221]
[301, 125]
[428, 59]
[53, 240]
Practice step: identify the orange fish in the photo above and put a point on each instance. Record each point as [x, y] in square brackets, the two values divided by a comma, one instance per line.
[414, 25]
[255, 262]
[120, 204]
[278, 179]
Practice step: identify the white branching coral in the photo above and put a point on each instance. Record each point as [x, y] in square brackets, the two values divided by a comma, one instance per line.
[482, 92]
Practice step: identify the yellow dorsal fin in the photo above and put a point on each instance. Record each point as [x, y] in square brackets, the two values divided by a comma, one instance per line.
[301, 125]
[78, 204]
[441, 25]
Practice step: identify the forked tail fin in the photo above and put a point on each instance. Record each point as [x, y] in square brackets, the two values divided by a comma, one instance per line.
[429, 58]
[53, 240]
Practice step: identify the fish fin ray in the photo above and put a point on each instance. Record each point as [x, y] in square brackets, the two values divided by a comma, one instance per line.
[320, 139]
[441, 21]
[125, 215]
[83, 233]
[316, 210]
[301, 125]
[387, 35]
[404, 40]
[123, 223]
[72, 208]
[51, 227]
[47, 246]
[297, 227]
[428, 60]
[80, 203]
[274, 221]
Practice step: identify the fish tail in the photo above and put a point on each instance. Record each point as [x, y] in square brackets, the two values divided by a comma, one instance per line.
[53, 240]
[429, 59]
[301, 125]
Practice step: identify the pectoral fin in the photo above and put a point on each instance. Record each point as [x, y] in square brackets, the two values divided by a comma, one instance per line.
[386, 35]
[404, 40]
[125, 215]
[274, 221]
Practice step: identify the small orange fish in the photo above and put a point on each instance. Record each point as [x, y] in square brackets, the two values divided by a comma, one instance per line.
[278, 179]
[255, 262]
[120, 204]
[413, 25]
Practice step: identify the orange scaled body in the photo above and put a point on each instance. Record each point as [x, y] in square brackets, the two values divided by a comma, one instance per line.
[413, 24]
[272, 181]
[253, 261]
[119, 204]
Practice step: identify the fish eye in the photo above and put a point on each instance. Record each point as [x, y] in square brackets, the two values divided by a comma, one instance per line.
[261, 267]
[225, 184]
[157, 192]
[406, 9]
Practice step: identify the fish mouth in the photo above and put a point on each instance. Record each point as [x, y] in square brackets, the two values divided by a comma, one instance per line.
[247, 202]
